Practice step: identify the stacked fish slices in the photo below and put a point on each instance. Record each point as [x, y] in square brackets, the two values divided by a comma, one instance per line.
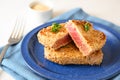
[76, 42]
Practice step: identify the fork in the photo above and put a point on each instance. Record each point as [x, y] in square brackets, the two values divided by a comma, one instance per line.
[15, 36]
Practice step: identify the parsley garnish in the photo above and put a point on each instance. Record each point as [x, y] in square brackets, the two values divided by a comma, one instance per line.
[55, 27]
[86, 26]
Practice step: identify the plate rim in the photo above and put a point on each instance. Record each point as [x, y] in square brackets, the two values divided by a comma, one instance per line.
[27, 58]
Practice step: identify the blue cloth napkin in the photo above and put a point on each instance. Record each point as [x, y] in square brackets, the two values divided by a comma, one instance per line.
[14, 64]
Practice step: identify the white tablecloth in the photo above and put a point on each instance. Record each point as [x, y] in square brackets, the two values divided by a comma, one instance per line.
[10, 9]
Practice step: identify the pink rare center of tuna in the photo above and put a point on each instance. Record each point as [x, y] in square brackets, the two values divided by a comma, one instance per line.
[63, 41]
[77, 39]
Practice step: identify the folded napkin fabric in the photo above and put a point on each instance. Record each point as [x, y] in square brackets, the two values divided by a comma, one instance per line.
[14, 64]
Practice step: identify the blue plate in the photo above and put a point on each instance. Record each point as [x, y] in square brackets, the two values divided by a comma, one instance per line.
[33, 54]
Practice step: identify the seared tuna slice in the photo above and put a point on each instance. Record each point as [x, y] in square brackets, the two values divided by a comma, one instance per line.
[70, 54]
[85, 37]
[52, 39]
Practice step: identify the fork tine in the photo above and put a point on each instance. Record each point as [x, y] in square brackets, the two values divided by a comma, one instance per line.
[22, 27]
[18, 28]
[14, 29]
[19, 25]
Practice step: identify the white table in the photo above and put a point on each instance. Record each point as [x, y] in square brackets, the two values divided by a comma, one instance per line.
[9, 9]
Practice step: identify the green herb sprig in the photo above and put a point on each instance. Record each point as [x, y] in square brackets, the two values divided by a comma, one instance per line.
[55, 27]
[86, 26]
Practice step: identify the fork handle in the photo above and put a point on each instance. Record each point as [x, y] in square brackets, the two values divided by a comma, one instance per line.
[3, 52]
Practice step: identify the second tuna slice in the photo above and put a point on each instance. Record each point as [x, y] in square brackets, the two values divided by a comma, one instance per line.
[52, 38]
[85, 37]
